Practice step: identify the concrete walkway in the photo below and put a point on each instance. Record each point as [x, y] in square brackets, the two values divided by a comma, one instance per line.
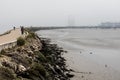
[11, 37]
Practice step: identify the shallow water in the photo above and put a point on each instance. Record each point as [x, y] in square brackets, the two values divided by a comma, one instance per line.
[93, 54]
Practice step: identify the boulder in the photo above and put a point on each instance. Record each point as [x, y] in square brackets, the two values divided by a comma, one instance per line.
[21, 68]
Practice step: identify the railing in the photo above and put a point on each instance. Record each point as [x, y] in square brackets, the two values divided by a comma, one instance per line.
[8, 45]
[12, 43]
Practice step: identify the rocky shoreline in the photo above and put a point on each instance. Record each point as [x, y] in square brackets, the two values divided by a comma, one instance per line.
[57, 62]
[37, 59]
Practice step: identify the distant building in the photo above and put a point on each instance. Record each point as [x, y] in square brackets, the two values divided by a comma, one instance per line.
[110, 24]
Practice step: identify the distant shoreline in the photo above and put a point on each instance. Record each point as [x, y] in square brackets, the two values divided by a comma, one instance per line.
[71, 27]
[7, 32]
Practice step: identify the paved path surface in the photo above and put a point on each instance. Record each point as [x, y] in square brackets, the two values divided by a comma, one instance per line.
[11, 37]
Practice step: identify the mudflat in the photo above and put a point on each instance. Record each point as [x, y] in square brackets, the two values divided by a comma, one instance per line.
[93, 54]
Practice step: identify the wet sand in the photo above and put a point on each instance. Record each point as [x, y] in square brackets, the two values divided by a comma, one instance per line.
[93, 54]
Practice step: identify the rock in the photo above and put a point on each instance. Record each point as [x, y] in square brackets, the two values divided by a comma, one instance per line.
[63, 78]
[69, 75]
[30, 53]
[90, 72]
[32, 48]
[10, 65]
[0, 64]
[71, 70]
[82, 76]
[58, 69]
[80, 52]
[91, 53]
[21, 68]
[105, 65]
[53, 70]
[56, 78]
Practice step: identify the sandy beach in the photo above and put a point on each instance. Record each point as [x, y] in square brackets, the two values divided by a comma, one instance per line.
[93, 54]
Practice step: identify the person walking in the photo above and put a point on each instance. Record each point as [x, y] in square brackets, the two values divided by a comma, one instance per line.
[14, 28]
[22, 30]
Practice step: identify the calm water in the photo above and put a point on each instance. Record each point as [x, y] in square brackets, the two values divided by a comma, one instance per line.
[4, 28]
[90, 50]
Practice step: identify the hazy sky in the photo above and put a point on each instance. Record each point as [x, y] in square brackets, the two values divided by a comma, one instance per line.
[57, 12]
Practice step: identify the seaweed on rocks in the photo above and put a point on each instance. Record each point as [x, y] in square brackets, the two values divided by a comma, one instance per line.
[57, 64]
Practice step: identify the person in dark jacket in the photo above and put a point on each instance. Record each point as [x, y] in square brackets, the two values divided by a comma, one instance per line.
[22, 30]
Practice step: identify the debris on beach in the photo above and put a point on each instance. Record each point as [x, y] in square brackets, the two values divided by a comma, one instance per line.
[91, 53]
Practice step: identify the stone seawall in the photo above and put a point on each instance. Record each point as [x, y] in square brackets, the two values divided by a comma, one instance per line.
[37, 59]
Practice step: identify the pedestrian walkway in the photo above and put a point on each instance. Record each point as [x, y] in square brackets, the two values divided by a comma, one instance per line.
[10, 38]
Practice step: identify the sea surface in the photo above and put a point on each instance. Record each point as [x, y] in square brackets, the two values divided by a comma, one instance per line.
[93, 54]
[5, 28]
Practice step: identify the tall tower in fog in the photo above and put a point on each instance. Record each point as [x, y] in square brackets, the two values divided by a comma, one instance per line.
[71, 21]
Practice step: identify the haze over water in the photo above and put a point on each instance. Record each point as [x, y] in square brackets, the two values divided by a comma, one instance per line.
[92, 53]
[58, 12]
